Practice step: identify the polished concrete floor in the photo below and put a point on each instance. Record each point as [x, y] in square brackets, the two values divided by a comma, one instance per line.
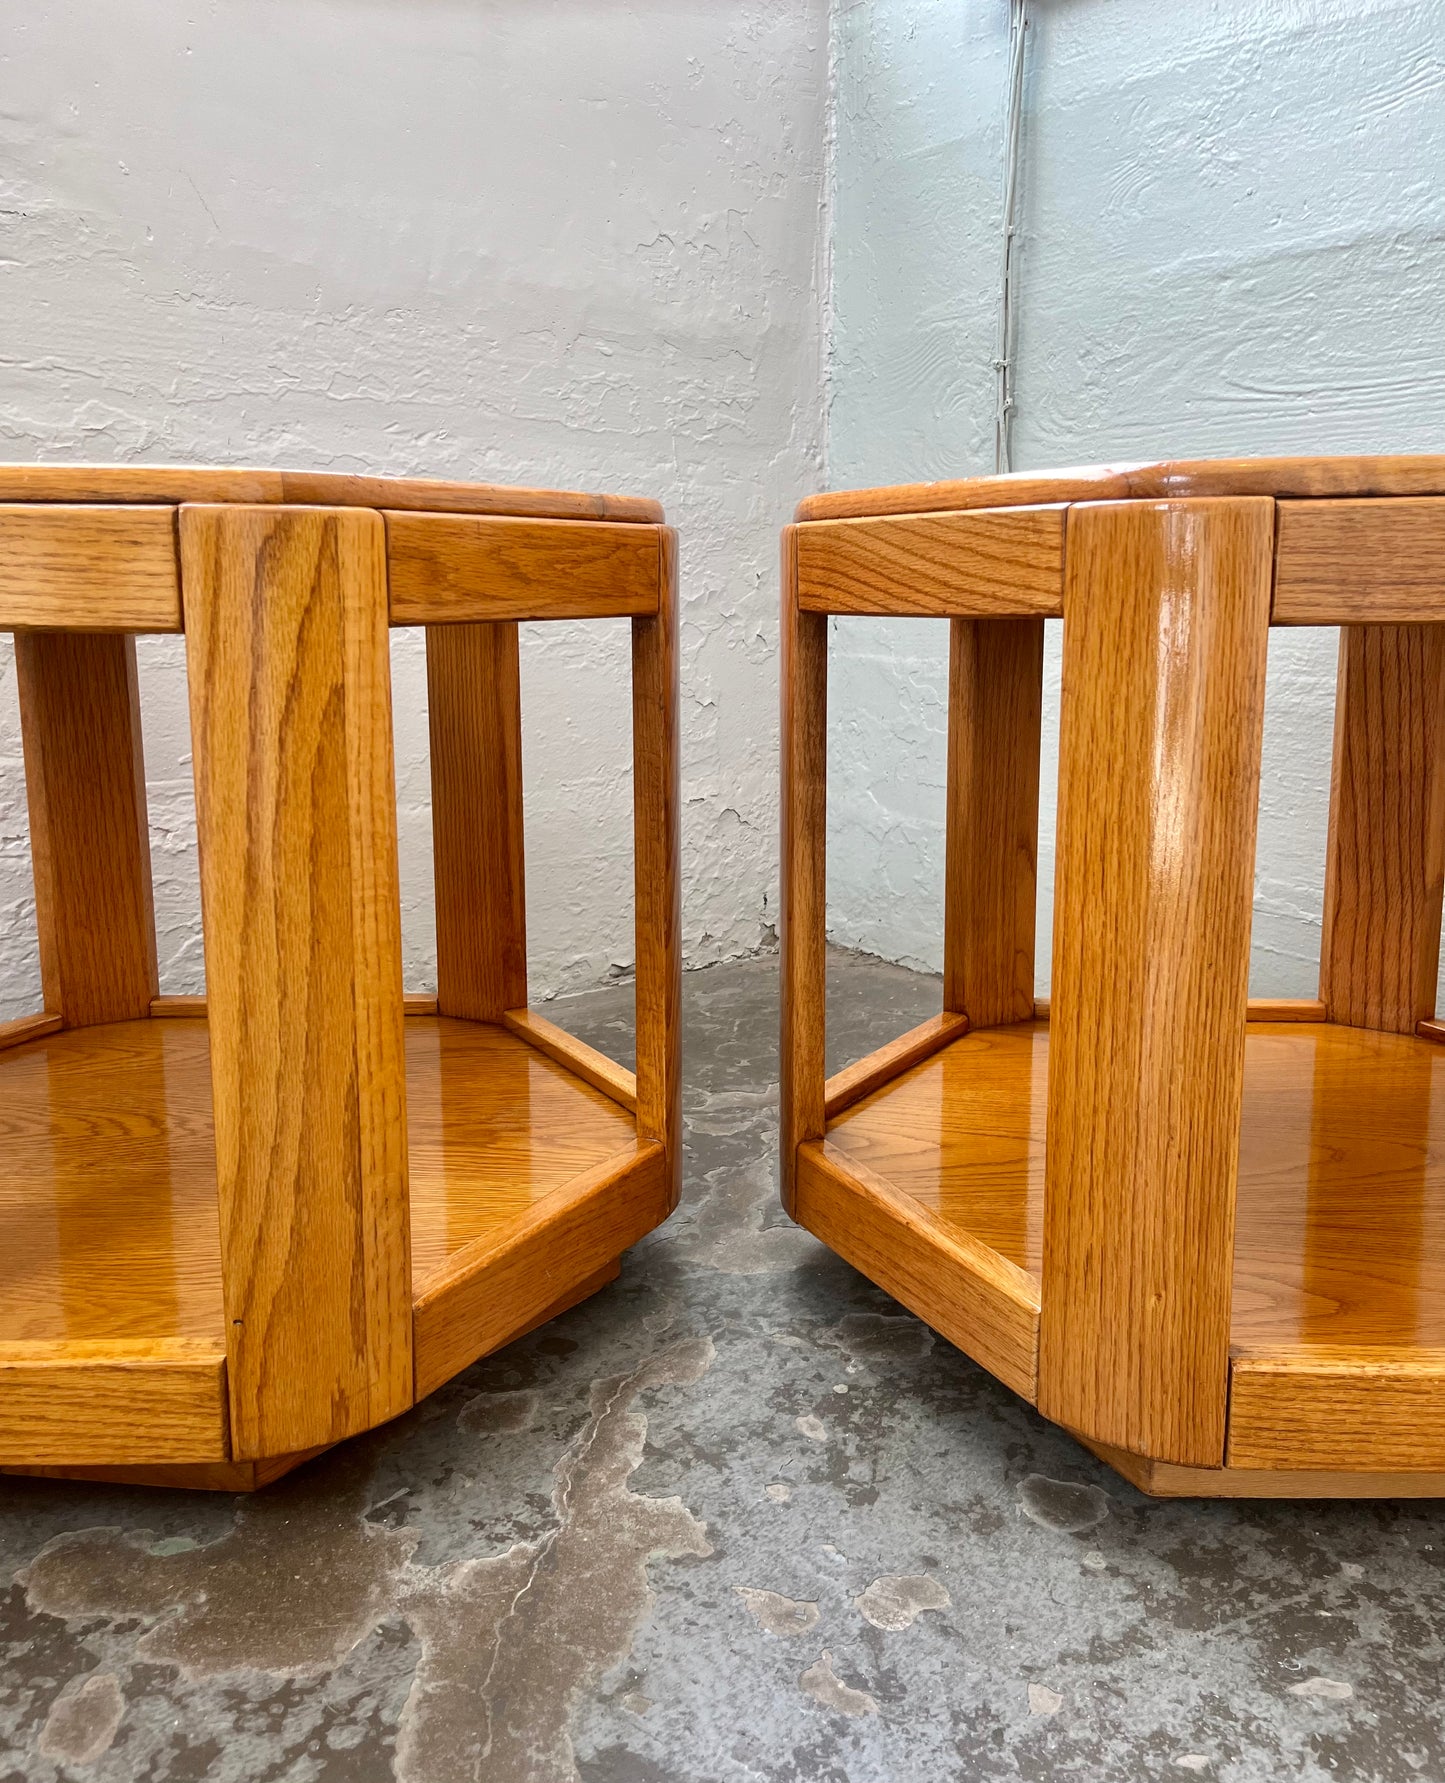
[739, 1517]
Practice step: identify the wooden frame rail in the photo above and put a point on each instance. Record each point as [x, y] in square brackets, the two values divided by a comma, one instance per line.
[544, 569]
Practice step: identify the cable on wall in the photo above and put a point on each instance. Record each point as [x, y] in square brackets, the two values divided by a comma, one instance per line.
[1013, 131]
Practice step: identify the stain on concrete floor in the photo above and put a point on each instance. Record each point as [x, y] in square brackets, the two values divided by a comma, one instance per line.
[738, 1518]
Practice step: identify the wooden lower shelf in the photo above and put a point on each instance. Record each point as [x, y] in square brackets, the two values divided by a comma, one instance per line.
[1338, 1328]
[525, 1185]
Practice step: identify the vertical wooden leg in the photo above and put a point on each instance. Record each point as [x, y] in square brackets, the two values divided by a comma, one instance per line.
[995, 712]
[286, 632]
[475, 705]
[656, 803]
[804, 884]
[1166, 614]
[1385, 866]
[89, 841]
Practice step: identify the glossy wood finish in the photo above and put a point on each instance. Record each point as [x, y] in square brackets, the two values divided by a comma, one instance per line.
[88, 569]
[108, 1188]
[856, 1081]
[1350, 562]
[1383, 1408]
[460, 1314]
[615, 1081]
[474, 708]
[176, 483]
[966, 1289]
[995, 711]
[804, 724]
[1385, 860]
[494, 1128]
[1341, 1175]
[657, 868]
[1235, 1260]
[191, 1476]
[1173, 480]
[28, 1027]
[983, 565]
[962, 1135]
[89, 840]
[1162, 1479]
[1160, 738]
[503, 1285]
[289, 677]
[153, 1400]
[448, 568]
[194, 1008]
[109, 1214]
[1257, 1009]
[176, 1320]
[1284, 1009]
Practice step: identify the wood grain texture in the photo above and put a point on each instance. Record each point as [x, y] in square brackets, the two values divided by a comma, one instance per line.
[1431, 1030]
[494, 1127]
[1360, 562]
[1385, 857]
[172, 483]
[1288, 478]
[108, 1208]
[289, 678]
[804, 729]
[1341, 1173]
[474, 706]
[194, 1008]
[1162, 1479]
[1164, 664]
[1257, 1009]
[962, 1136]
[1341, 1196]
[454, 568]
[178, 1008]
[1004, 562]
[108, 1225]
[153, 1400]
[976, 1298]
[995, 713]
[614, 1080]
[25, 1028]
[1342, 1192]
[1380, 1412]
[108, 1204]
[495, 1289]
[196, 1476]
[1284, 1009]
[858, 1080]
[657, 868]
[88, 569]
[89, 837]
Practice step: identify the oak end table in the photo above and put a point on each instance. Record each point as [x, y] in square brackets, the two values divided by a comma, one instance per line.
[1204, 1234]
[242, 1227]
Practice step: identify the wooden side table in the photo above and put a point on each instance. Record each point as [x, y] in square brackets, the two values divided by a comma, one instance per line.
[1205, 1235]
[239, 1228]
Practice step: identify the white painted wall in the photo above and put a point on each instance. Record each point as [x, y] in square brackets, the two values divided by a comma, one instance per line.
[534, 241]
[1233, 243]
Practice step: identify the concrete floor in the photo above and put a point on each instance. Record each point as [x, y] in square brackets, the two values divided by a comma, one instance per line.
[739, 1517]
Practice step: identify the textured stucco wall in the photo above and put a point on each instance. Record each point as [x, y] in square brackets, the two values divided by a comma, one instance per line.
[1233, 243]
[535, 241]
